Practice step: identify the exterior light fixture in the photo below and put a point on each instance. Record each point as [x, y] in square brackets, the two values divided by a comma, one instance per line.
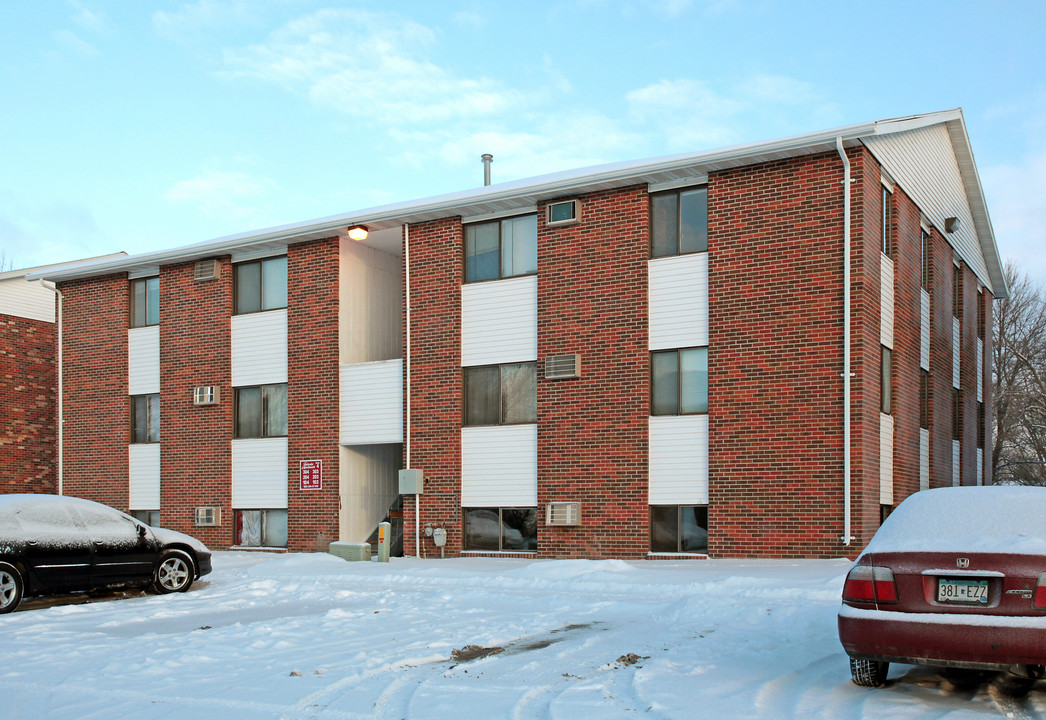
[358, 232]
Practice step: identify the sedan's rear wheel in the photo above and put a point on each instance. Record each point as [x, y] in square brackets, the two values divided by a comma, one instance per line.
[11, 587]
[174, 572]
[868, 673]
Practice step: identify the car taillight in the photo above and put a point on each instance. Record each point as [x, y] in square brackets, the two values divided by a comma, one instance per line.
[1040, 592]
[867, 584]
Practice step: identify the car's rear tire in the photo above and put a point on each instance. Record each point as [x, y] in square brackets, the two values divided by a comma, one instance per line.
[174, 572]
[11, 587]
[868, 673]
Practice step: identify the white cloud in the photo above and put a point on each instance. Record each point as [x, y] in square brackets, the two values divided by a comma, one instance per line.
[191, 18]
[86, 18]
[371, 67]
[1016, 197]
[222, 193]
[70, 41]
[691, 115]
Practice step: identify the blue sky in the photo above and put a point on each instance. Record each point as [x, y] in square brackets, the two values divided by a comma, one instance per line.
[140, 126]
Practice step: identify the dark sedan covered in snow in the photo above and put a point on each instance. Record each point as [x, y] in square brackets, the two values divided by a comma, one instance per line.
[955, 578]
[56, 544]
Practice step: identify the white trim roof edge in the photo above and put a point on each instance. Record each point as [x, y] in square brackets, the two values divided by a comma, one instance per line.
[39, 270]
[528, 191]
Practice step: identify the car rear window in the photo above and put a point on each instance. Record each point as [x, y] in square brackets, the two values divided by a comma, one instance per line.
[1008, 519]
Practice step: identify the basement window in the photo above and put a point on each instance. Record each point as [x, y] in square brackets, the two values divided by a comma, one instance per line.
[261, 528]
[679, 528]
[506, 529]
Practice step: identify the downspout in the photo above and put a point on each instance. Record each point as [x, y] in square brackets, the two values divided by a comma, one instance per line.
[847, 537]
[61, 416]
[406, 284]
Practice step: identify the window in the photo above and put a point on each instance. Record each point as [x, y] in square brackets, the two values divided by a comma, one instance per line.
[679, 222]
[501, 394]
[145, 302]
[886, 381]
[925, 246]
[678, 528]
[260, 285]
[145, 418]
[261, 411]
[924, 399]
[887, 222]
[884, 512]
[501, 249]
[261, 528]
[679, 382]
[957, 291]
[980, 425]
[149, 517]
[501, 529]
[982, 314]
[956, 414]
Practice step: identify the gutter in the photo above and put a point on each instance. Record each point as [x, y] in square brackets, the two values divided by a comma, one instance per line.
[847, 538]
[61, 413]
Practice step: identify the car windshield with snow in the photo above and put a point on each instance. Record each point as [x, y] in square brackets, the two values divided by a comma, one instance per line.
[955, 578]
[56, 544]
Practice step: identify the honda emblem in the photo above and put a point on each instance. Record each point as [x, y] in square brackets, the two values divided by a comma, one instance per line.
[962, 562]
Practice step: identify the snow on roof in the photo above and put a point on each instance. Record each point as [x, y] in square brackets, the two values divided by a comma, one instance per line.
[994, 518]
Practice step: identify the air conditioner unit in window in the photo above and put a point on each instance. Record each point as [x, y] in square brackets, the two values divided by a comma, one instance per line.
[205, 395]
[562, 366]
[562, 513]
[562, 212]
[206, 269]
[207, 516]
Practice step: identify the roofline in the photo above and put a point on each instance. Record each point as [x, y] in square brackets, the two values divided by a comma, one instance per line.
[528, 192]
[39, 269]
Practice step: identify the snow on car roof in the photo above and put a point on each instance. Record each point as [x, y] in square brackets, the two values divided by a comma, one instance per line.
[995, 518]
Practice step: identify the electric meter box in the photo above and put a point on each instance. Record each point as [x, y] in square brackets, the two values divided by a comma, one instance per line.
[412, 482]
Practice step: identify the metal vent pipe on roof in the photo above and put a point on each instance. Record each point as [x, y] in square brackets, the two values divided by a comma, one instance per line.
[487, 159]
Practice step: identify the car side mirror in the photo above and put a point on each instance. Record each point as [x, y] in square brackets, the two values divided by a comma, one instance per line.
[141, 531]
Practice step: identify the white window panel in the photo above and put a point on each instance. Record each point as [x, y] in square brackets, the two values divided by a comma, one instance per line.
[259, 473]
[372, 403]
[678, 301]
[956, 455]
[924, 330]
[885, 459]
[499, 321]
[499, 466]
[924, 458]
[143, 473]
[143, 360]
[886, 311]
[956, 348]
[678, 460]
[259, 348]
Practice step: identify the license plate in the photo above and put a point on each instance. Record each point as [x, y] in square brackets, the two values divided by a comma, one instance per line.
[961, 590]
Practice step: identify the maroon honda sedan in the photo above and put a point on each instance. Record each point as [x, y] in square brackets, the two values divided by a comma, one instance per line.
[955, 578]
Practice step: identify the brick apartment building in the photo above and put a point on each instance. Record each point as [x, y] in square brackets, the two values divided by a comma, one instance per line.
[699, 354]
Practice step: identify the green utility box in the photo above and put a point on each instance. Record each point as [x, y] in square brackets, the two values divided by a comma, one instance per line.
[351, 551]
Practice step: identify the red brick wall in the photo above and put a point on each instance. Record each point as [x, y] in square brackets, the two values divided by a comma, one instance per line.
[28, 397]
[195, 455]
[968, 376]
[941, 362]
[96, 405]
[775, 354]
[312, 390]
[592, 431]
[989, 396]
[435, 250]
[907, 259]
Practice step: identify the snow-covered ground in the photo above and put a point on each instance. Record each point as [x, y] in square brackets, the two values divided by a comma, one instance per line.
[313, 636]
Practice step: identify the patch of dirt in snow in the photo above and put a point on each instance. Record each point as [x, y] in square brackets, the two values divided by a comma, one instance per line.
[630, 659]
[474, 652]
